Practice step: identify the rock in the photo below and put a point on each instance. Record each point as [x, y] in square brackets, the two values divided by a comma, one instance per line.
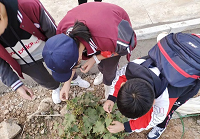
[42, 132]
[56, 107]
[42, 124]
[55, 113]
[48, 118]
[33, 126]
[80, 94]
[18, 112]
[90, 89]
[6, 112]
[9, 130]
[63, 111]
[198, 122]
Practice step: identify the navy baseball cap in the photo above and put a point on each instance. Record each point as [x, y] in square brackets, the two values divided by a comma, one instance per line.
[60, 54]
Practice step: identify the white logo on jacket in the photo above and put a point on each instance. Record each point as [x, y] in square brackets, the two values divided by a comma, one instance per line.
[31, 44]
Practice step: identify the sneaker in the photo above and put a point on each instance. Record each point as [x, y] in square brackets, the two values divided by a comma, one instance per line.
[107, 90]
[98, 79]
[56, 95]
[161, 35]
[155, 133]
[80, 82]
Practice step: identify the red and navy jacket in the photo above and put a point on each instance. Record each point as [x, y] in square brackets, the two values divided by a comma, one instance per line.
[163, 102]
[109, 25]
[34, 19]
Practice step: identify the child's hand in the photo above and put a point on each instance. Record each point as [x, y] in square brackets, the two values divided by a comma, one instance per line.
[115, 127]
[88, 65]
[25, 92]
[65, 91]
[108, 106]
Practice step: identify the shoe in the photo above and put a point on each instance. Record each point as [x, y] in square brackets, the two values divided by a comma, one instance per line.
[98, 79]
[155, 133]
[80, 82]
[107, 90]
[161, 35]
[56, 95]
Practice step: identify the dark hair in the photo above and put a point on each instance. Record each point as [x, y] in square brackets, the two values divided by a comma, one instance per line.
[80, 30]
[135, 98]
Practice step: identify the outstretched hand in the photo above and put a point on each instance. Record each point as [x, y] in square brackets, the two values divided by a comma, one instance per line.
[88, 65]
[64, 92]
[25, 92]
[108, 106]
[115, 127]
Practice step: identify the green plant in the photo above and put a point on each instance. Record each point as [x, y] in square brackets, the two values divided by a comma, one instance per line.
[86, 119]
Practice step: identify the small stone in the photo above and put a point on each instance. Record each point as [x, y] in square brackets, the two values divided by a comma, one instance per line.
[48, 118]
[90, 89]
[63, 111]
[6, 112]
[198, 122]
[42, 124]
[55, 112]
[80, 94]
[42, 132]
[9, 130]
[33, 125]
[18, 112]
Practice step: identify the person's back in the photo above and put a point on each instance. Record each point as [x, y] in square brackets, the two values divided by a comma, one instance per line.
[130, 104]
[23, 34]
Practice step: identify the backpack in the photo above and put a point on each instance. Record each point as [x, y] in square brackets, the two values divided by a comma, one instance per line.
[177, 56]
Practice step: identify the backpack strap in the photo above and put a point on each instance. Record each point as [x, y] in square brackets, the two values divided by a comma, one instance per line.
[196, 35]
[160, 83]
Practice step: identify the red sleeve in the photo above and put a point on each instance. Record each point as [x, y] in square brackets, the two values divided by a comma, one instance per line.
[140, 123]
[118, 84]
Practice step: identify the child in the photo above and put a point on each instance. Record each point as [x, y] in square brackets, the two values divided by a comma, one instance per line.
[144, 95]
[101, 37]
[24, 28]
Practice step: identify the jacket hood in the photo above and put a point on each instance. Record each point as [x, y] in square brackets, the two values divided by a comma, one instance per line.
[11, 9]
[134, 70]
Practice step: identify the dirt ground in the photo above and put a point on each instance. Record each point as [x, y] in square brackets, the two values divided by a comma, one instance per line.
[13, 108]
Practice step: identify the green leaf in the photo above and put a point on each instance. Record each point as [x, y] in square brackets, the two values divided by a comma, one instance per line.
[100, 110]
[76, 137]
[99, 127]
[108, 121]
[60, 132]
[69, 119]
[87, 98]
[75, 100]
[75, 128]
[115, 107]
[92, 114]
[87, 122]
[113, 137]
[85, 131]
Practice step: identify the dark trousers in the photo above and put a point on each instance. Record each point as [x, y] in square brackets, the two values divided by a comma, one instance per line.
[39, 73]
[85, 1]
[108, 68]
[187, 93]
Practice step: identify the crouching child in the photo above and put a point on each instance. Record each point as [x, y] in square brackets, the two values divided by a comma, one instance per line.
[144, 94]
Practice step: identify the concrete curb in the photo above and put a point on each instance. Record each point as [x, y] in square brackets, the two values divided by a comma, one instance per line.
[152, 32]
